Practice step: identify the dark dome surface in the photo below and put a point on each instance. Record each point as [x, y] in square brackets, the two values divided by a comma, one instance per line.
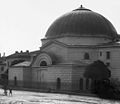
[81, 22]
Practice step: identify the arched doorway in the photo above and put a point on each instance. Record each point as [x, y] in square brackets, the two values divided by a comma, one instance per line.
[86, 56]
[87, 83]
[81, 84]
[15, 81]
[58, 86]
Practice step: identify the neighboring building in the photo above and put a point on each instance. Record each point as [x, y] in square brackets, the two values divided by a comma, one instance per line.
[18, 57]
[21, 73]
[3, 65]
[73, 41]
[19, 66]
[3, 70]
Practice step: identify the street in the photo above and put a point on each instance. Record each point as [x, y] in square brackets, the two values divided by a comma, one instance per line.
[26, 97]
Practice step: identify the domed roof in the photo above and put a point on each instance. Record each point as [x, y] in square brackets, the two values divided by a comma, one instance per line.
[81, 22]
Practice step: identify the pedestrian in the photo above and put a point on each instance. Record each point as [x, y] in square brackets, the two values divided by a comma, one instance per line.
[10, 91]
[5, 92]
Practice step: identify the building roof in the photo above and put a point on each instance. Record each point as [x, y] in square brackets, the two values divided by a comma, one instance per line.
[81, 22]
[21, 54]
[25, 63]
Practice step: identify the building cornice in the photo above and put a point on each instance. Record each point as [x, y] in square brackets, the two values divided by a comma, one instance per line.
[80, 36]
[105, 45]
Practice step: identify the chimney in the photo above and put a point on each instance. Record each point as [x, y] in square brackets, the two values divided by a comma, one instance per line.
[16, 51]
[27, 51]
[4, 54]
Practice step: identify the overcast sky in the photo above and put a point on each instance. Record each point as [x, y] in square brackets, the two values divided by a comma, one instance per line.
[23, 23]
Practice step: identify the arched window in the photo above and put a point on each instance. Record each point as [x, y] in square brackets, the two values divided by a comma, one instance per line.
[86, 56]
[2, 68]
[87, 83]
[107, 55]
[100, 53]
[81, 84]
[58, 83]
[15, 81]
[108, 64]
[43, 63]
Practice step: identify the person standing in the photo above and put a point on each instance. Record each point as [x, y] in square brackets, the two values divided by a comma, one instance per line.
[5, 92]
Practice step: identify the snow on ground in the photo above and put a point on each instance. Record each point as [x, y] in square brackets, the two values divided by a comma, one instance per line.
[25, 97]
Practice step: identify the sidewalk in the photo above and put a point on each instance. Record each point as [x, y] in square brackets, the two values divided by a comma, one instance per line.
[54, 91]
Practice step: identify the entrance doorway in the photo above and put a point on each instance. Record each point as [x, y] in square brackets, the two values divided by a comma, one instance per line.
[58, 83]
[81, 84]
[15, 81]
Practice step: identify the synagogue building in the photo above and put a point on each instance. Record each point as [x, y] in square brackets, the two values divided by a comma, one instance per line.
[71, 43]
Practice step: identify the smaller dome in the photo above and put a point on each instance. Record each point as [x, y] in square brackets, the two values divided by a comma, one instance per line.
[82, 22]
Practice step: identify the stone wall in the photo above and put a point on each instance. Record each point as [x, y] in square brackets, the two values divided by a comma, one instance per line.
[50, 75]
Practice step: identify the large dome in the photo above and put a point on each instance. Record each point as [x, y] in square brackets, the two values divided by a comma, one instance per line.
[81, 22]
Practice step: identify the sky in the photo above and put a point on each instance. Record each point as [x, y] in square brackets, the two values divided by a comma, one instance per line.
[23, 23]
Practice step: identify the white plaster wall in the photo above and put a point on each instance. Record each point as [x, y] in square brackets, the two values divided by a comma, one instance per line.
[52, 73]
[62, 72]
[77, 54]
[114, 56]
[18, 72]
[48, 76]
[58, 51]
[66, 55]
[27, 74]
[77, 73]
[114, 60]
[35, 75]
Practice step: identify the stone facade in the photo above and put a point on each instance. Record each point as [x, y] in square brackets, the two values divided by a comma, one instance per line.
[62, 59]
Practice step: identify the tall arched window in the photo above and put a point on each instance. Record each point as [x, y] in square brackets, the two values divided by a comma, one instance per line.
[58, 83]
[81, 84]
[2, 68]
[43, 63]
[15, 81]
[87, 83]
[86, 56]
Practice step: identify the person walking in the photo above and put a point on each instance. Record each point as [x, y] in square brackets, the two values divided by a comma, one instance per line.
[10, 91]
[5, 90]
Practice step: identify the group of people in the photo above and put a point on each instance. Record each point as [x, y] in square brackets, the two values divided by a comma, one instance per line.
[6, 91]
